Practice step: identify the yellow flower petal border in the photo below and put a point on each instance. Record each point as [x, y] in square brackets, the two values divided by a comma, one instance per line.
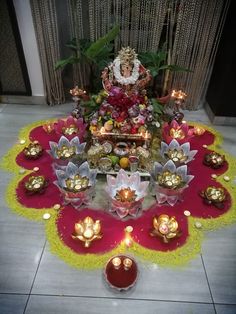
[178, 257]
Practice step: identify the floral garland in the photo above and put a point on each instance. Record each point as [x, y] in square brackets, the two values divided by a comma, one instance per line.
[126, 80]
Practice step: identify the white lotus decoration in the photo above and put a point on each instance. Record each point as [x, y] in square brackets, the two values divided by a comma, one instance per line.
[77, 184]
[169, 182]
[179, 154]
[65, 150]
[126, 193]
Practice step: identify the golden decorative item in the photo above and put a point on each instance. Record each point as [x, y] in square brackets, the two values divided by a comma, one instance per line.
[48, 128]
[177, 155]
[33, 150]
[116, 262]
[126, 195]
[94, 153]
[214, 195]
[214, 160]
[77, 183]
[69, 130]
[127, 262]
[22, 142]
[170, 180]
[105, 164]
[66, 152]
[165, 227]
[198, 130]
[179, 94]
[87, 230]
[177, 133]
[35, 184]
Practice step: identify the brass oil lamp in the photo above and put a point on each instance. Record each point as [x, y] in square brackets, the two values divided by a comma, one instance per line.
[214, 195]
[177, 133]
[170, 180]
[69, 130]
[178, 156]
[165, 227]
[77, 183]
[87, 231]
[35, 184]
[33, 151]
[214, 160]
[66, 152]
[126, 195]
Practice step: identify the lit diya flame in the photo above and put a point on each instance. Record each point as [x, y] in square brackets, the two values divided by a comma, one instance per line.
[177, 155]
[69, 130]
[66, 152]
[198, 130]
[33, 150]
[87, 230]
[35, 184]
[214, 195]
[48, 128]
[126, 195]
[170, 180]
[214, 160]
[77, 183]
[165, 227]
[179, 94]
[177, 133]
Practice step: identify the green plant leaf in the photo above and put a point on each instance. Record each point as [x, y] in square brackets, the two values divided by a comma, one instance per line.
[63, 62]
[96, 47]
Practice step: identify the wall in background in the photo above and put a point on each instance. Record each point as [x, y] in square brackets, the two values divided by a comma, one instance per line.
[26, 29]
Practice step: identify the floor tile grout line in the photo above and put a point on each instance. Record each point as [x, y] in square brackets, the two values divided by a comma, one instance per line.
[31, 288]
[208, 283]
[119, 298]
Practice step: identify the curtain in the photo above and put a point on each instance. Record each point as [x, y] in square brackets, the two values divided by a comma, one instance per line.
[46, 29]
[190, 29]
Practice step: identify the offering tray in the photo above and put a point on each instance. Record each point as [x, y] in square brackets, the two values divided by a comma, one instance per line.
[121, 272]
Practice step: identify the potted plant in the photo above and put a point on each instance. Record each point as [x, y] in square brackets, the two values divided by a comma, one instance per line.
[94, 55]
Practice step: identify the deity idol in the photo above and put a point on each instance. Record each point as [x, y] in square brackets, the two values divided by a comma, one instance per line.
[125, 108]
[126, 72]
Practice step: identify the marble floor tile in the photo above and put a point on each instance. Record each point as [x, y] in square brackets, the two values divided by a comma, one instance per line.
[21, 246]
[219, 256]
[12, 303]
[225, 309]
[188, 284]
[71, 305]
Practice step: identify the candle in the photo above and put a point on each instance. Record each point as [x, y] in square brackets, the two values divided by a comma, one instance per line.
[116, 262]
[127, 263]
[199, 130]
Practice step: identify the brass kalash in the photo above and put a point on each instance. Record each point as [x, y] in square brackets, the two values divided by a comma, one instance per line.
[121, 136]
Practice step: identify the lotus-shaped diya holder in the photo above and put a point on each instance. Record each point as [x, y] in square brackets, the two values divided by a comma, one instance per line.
[179, 154]
[165, 227]
[77, 184]
[87, 231]
[126, 193]
[71, 127]
[65, 150]
[181, 132]
[33, 151]
[169, 182]
[35, 184]
[214, 160]
[214, 196]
